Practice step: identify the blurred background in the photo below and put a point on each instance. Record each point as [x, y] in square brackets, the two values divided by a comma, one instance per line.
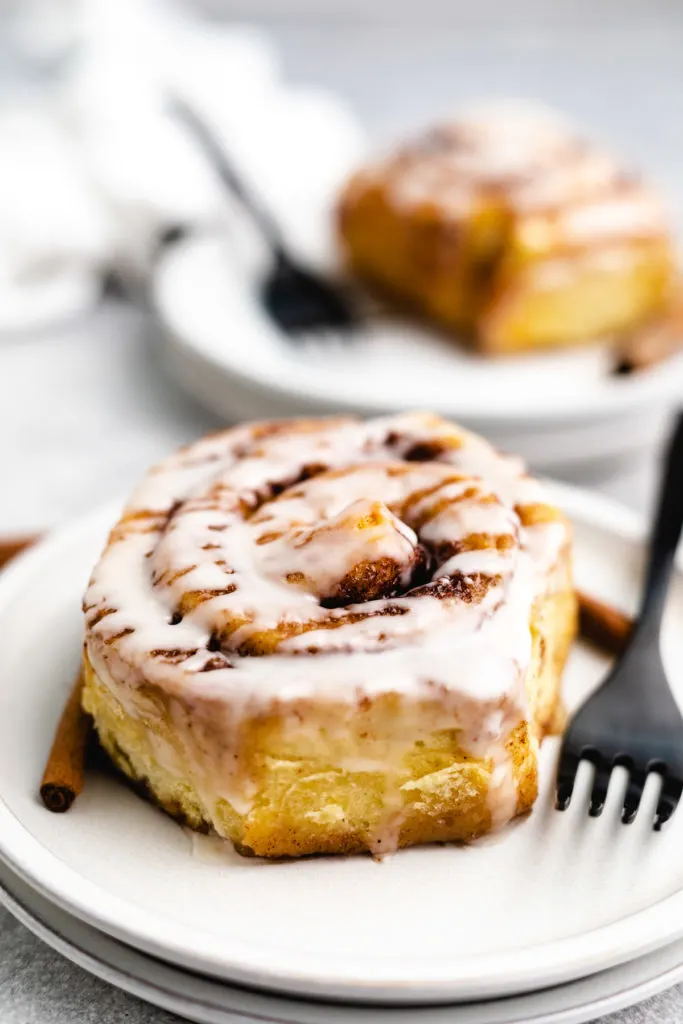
[93, 172]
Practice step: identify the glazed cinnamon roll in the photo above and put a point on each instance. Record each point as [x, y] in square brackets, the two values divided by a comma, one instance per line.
[329, 636]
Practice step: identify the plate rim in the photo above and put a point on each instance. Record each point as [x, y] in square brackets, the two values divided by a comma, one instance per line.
[616, 942]
[235, 401]
[112, 973]
[634, 393]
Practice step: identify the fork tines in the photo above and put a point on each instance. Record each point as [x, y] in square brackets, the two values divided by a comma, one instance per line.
[633, 719]
[669, 794]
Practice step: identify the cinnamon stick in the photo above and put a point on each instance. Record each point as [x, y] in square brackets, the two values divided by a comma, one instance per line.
[65, 769]
[11, 546]
[653, 342]
[602, 625]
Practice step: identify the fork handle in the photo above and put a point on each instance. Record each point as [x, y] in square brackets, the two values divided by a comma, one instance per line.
[218, 159]
[664, 540]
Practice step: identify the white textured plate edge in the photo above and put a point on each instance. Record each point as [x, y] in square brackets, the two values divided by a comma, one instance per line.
[629, 395]
[556, 445]
[483, 976]
[218, 1003]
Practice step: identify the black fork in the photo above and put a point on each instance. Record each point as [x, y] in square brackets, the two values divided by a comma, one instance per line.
[632, 719]
[302, 302]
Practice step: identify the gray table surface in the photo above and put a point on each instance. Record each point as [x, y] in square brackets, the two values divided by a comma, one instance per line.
[84, 409]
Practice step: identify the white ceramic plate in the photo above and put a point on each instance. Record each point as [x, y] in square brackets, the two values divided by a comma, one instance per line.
[207, 303]
[211, 1002]
[555, 898]
[567, 448]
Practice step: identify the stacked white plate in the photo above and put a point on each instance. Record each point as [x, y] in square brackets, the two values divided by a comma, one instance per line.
[559, 409]
[560, 918]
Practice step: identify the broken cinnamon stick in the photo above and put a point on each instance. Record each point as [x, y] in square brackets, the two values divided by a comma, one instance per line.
[11, 546]
[602, 625]
[65, 769]
[651, 343]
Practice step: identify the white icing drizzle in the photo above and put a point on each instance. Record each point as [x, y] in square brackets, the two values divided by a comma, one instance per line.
[531, 163]
[631, 212]
[329, 560]
[550, 274]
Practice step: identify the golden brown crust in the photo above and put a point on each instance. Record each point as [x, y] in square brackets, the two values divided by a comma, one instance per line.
[444, 789]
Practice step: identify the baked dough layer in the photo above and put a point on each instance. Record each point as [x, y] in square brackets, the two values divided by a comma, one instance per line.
[314, 798]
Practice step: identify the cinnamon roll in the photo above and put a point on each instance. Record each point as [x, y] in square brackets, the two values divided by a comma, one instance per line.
[509, 228]
[329, 636]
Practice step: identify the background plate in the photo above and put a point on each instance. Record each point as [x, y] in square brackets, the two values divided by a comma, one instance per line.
[207, 303]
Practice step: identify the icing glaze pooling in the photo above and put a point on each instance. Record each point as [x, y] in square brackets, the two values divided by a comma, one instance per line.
[328, 559]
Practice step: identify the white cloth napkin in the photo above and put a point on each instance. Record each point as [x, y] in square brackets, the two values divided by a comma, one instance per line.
[94, 172]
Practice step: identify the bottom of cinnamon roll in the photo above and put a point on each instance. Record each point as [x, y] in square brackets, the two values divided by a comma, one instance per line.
[316, 778]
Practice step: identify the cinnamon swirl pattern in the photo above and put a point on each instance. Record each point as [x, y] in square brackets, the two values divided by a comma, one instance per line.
[329, 636]
[508, 227]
